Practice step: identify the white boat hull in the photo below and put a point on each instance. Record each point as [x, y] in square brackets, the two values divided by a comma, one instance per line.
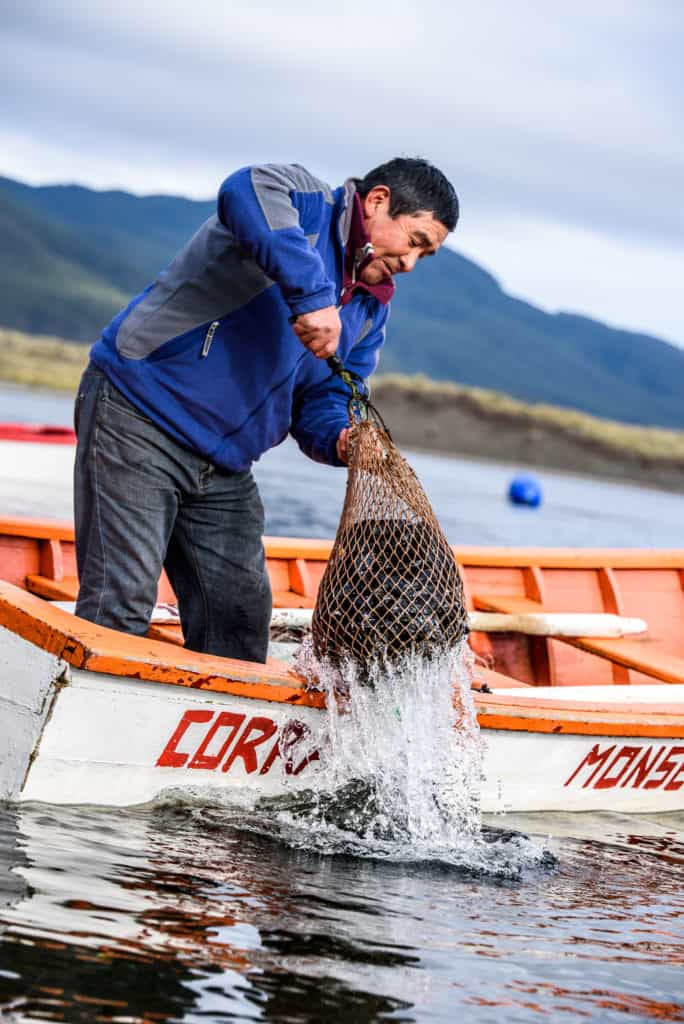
[78, 737]
[541, 772]
[112, 740]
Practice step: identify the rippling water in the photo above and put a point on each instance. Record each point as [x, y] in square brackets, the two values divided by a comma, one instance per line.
[176, 913]
[191, 910]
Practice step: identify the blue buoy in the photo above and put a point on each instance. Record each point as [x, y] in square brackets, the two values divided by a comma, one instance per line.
[525, 490]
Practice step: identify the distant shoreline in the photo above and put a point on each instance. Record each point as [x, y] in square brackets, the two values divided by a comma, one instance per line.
[452, 419]
[436, 417]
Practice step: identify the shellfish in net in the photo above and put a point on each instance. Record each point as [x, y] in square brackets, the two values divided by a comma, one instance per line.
[392, 585]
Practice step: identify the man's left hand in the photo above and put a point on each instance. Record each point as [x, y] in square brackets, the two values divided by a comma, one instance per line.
[343, 445]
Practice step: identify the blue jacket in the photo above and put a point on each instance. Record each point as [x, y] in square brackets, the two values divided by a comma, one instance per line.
[207, 350]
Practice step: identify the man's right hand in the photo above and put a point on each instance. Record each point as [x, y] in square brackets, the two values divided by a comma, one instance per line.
[319, 331]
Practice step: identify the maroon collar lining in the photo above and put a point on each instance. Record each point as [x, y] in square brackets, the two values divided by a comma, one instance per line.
[358, 254]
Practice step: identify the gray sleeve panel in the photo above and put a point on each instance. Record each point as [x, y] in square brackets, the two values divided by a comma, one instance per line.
[207, 280]
[365, 331]
[273, 185]
[344, 223]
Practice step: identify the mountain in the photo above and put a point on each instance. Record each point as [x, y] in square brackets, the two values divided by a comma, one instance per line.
[454, 322]
[71, 257]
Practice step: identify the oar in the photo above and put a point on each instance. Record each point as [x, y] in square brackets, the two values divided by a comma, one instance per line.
[531, 624]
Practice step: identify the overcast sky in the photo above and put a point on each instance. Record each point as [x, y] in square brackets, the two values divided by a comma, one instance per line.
[560, 123]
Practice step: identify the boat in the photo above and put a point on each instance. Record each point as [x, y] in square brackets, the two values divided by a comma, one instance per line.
[571, 722]
[40, 433]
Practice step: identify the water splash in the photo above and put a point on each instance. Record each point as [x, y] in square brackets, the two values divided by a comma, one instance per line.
[405, 740]
[399, 772]
[401, 769]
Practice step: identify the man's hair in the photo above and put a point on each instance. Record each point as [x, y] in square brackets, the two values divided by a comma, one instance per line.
[414, 184]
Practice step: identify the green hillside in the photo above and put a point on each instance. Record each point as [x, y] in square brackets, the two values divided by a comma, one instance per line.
[48, 276]
[139, 236]
[71, 258]
[454, 322]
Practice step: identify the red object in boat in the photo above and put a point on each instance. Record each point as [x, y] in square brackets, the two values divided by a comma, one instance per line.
[41, 433]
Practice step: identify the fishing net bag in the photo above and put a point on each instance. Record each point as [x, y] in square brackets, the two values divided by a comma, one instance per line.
[392, 585]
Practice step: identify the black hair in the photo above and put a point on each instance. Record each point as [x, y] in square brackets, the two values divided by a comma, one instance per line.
[415, 185]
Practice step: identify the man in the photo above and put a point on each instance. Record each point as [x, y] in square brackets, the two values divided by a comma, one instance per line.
[212, 365]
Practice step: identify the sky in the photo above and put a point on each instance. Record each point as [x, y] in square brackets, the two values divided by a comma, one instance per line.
[559, 123]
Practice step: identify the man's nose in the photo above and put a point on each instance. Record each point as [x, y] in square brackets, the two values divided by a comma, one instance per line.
[408, 261]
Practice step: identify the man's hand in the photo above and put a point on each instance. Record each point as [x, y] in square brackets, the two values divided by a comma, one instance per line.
[343, 445]
[319, 331]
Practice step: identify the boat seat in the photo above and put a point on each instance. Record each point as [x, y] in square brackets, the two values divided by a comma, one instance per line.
[639, 655]
[51, 589]
[288, 599]
[66, 589]
[170, 634]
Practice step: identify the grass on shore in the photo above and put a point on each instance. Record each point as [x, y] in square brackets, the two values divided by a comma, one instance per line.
[652, 443]
[40, 361]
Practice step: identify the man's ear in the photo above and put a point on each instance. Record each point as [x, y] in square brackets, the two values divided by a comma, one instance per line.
[376, 200]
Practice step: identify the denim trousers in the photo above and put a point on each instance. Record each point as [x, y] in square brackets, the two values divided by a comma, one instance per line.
[141, 502]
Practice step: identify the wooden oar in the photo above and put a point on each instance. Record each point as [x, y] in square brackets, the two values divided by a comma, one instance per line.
[557, 624]
[569, 624]
[531, 624]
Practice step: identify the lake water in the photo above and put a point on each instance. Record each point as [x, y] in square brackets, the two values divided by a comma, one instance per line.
[193, 911]
[303, 498]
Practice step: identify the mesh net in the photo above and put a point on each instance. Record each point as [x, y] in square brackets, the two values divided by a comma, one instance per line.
[392, 584]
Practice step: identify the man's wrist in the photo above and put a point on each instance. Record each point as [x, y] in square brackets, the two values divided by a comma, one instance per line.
[311, 303]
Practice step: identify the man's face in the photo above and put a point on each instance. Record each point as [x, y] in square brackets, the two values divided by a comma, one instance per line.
[398, 242]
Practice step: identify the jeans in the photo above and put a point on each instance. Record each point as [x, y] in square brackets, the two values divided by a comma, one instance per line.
[143, 502]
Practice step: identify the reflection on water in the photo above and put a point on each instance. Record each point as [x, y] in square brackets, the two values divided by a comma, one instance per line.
[174, 913]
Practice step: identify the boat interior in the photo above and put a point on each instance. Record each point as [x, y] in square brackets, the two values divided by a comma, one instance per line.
[38, 566]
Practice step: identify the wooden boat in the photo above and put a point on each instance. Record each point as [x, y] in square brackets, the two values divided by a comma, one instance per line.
[44, 433]
[89, 715]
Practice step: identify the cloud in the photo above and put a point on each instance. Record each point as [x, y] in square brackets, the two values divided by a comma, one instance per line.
[571, 120]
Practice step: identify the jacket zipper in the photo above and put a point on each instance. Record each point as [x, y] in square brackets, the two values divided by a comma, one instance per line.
[209, 338]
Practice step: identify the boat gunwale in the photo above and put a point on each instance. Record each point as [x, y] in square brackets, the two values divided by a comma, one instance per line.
[574, 718]
[94, 648]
